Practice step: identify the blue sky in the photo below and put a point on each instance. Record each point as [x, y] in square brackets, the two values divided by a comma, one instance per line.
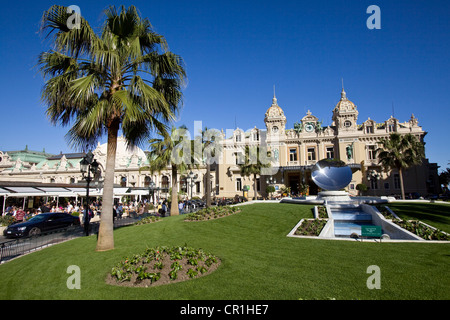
[236, 51]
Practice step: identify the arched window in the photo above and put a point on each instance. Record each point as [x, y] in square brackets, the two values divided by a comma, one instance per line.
[165, 183]
[183, 184]
[123, 181]
[147, 181]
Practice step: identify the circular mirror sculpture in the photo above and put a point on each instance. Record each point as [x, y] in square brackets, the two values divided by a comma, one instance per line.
[331, 174]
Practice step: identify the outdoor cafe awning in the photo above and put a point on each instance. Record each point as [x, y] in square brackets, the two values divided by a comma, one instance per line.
[21, 192]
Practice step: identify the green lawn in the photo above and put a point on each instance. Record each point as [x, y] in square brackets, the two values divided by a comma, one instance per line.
[258, 262]
[434, 214]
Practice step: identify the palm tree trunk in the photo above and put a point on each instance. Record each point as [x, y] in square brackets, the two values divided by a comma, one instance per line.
[255, 187]
[208, 185]
[105, 234]
[401, 183]
[174, 204]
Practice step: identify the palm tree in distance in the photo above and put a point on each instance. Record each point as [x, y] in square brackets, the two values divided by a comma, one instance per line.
[253, 162]
[172, 150]
[121, 79]
[400, 152]
[208, 154]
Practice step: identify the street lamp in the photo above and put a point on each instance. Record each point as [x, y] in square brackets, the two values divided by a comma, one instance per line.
[373, 176]
[88, 165]
[151, 190]
[192, 177]
[271, 180]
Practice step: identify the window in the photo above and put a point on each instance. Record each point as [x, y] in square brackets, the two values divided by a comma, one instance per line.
[238, 158]
[396, 181]
[391, 127]
[373, 184]
[293, 154]
[197, 187]
[311, 154]
[183, 184]
[369, 129]
[238, 137]
[123, 182]
[258, 184]
[238, 184]
[165, 182]
[147, 181]
[330, 152]
[256, 136]
[371, 153]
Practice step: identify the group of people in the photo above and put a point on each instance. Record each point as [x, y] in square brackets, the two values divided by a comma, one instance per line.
[19, 214]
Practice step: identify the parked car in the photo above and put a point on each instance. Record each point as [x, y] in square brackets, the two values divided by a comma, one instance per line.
[41, 223]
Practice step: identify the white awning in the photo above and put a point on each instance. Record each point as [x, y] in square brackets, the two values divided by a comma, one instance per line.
[30, 190]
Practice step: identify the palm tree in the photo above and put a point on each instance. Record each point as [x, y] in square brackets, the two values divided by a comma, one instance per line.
[400, 152]
[172, 150]
[251, 164]
[121, 79]
[208, 139]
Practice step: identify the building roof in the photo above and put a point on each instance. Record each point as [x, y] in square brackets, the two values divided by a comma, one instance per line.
[344, 104]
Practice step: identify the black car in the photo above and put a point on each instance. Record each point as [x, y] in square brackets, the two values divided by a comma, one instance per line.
[41, 223]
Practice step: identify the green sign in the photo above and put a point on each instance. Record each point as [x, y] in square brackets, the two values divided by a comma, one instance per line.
[371, 231]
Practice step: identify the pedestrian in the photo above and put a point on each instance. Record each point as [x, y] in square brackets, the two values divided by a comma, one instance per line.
[87, 218]
[164, 209]
[19, 215]
[120, 211]
[181, 207]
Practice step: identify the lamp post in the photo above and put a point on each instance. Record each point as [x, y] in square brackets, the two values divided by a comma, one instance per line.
[270, 181]
[151, 190]
[87, 165]
[373, 175]
[192, 177]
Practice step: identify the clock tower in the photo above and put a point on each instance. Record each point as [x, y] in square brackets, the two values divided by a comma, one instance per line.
[309, 123]
[275, 119]
[345, 114]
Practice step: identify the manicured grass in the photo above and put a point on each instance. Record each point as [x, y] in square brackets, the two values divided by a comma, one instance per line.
[258, 262]
[434, 214]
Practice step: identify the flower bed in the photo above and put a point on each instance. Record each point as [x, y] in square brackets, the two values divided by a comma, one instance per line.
[146, 220]
[162, 265]
[422, 230]
[310, 227]
[322, 210]
[211, 213]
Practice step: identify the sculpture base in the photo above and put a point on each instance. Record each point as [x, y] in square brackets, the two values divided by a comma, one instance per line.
[334, 196]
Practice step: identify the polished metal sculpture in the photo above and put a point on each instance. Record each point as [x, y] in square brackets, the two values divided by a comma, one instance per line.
[331, 174]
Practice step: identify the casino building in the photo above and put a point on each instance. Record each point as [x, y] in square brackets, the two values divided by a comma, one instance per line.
[294, 151]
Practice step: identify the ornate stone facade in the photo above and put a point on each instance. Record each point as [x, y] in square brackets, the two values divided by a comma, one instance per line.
[293, 153]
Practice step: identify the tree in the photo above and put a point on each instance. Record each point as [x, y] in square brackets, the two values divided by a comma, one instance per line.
[207, 153]
[121, 79]
[172, 150]
[269, 190]
[253, 162]
[400, 152]
[444, 177]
